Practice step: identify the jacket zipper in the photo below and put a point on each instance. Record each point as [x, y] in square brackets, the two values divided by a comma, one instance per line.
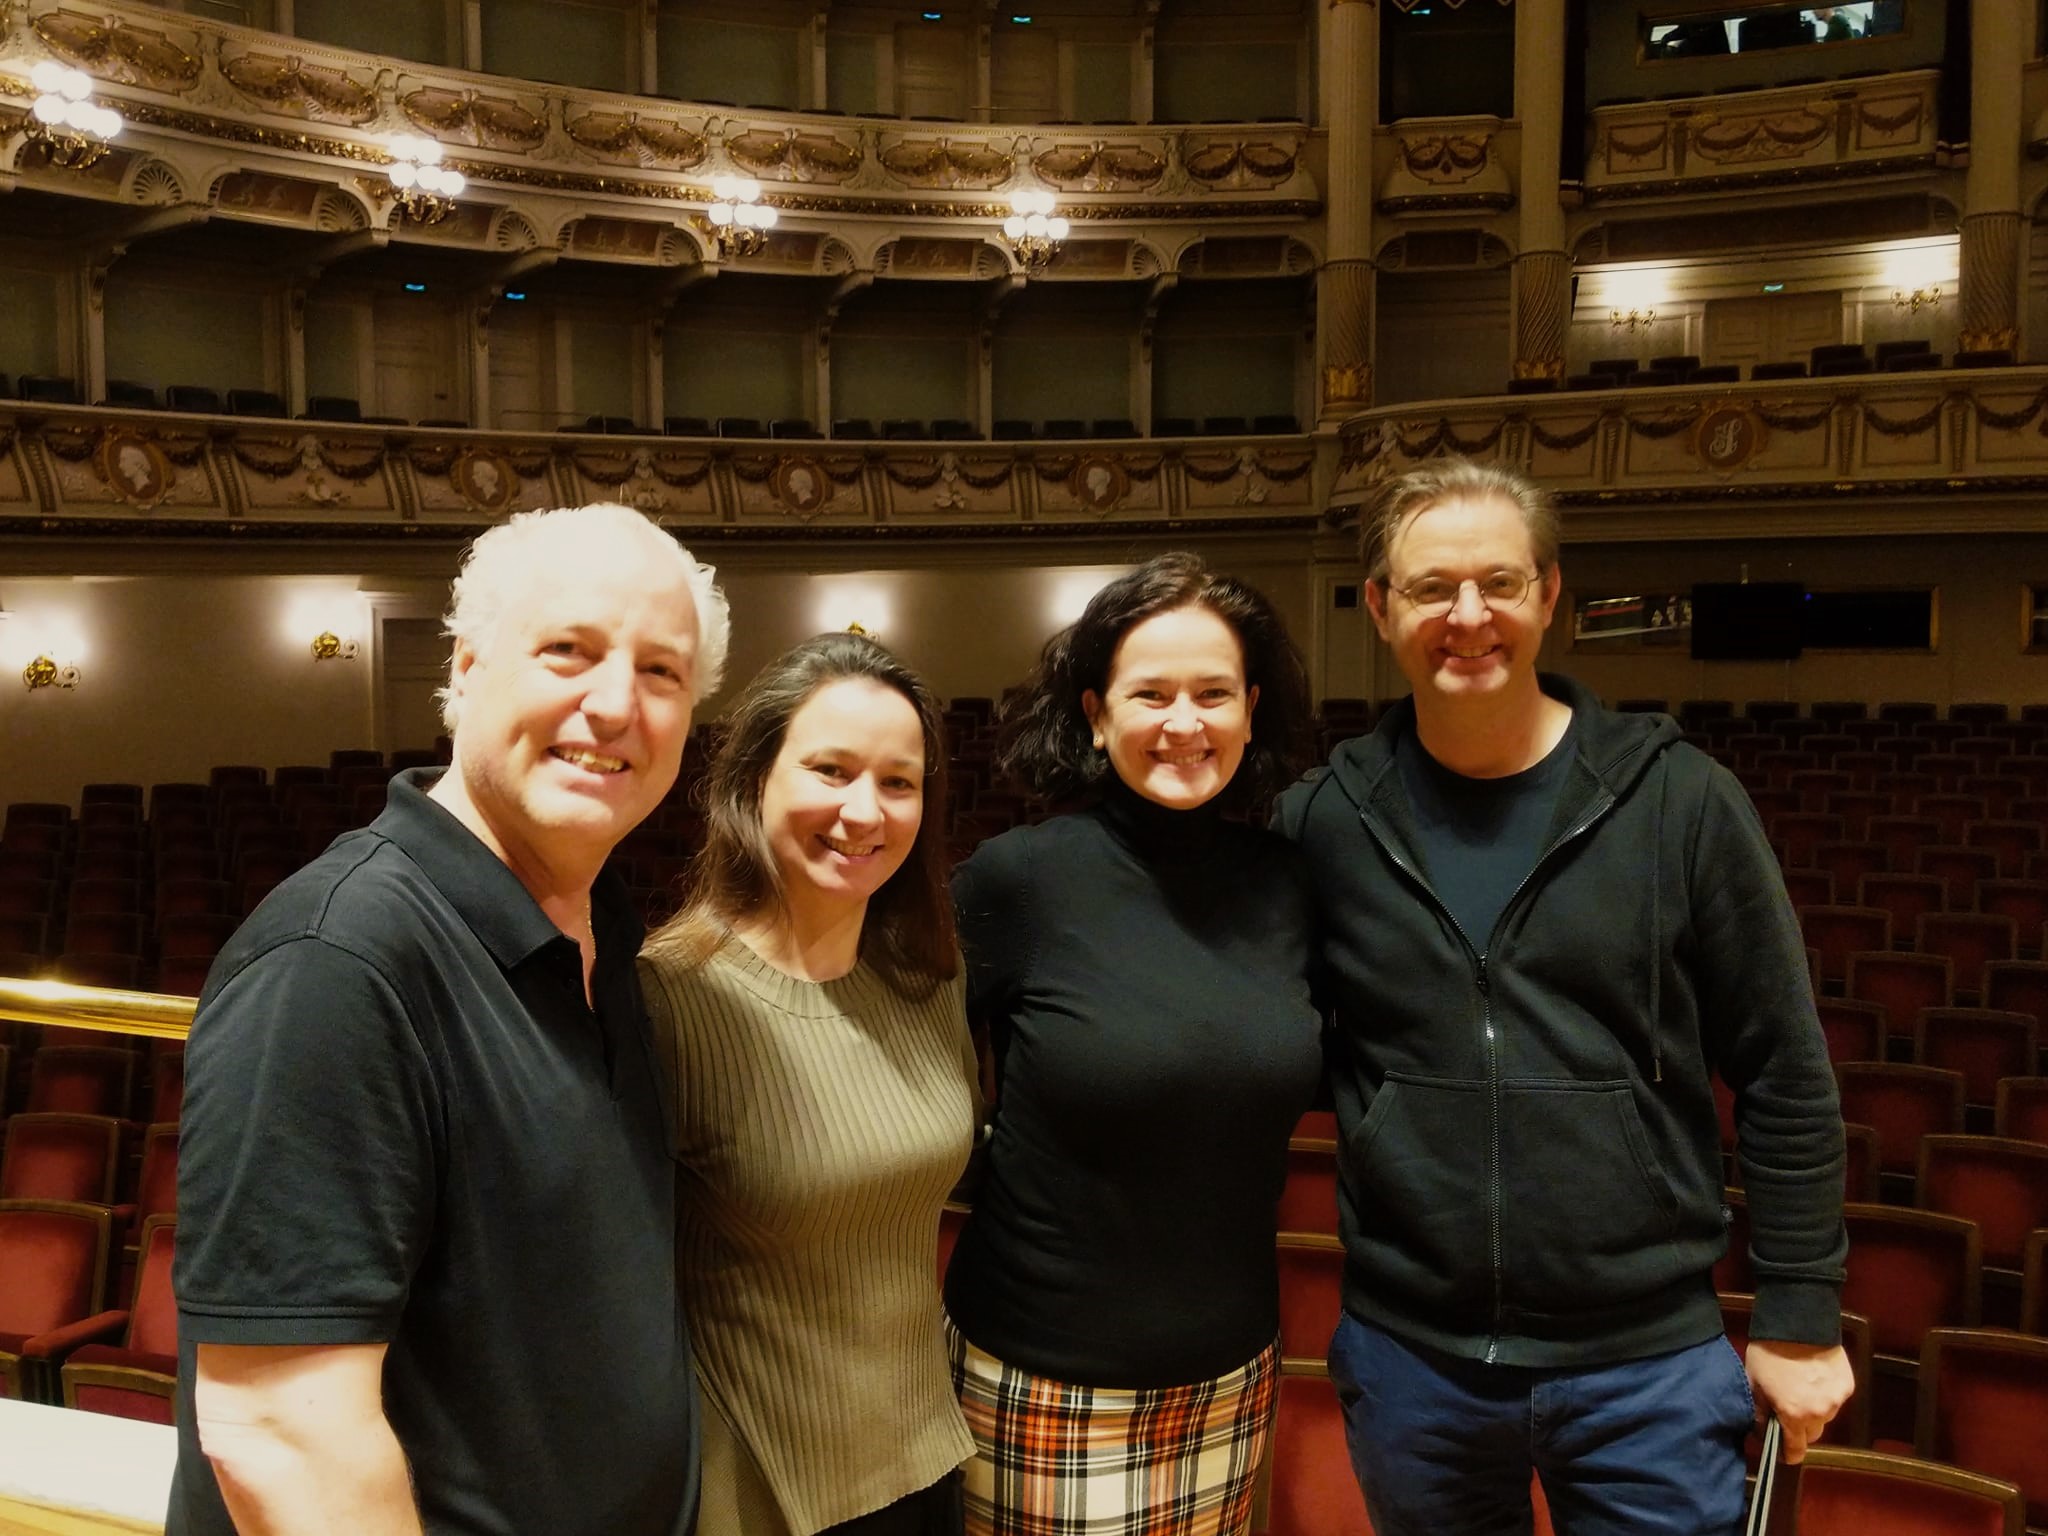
[1493, 1083]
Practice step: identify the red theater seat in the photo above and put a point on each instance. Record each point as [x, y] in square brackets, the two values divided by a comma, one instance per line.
[136, 1378]
[1971, 940]
[1311, 1294]
[2022, 1109]
[1983, 1044]
[1855, 1031]
[1910, 1271]
[81, 1080]
[1839, 932]
[1901, 1103]
[63, 1157]
[1866, 1493]
[1984, 1405]
[1902, 985]
[1308, 1200]
[2000, 1185]
[1314, 1492]
[53, 1271]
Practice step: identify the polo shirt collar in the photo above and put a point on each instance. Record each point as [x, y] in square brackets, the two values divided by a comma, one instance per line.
[481, 887]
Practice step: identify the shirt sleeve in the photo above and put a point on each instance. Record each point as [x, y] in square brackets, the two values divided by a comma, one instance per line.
[308, 1154]
[992, 907]
[1765, 1040]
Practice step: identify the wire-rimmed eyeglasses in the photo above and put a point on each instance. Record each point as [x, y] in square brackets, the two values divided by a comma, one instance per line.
[1433, 596]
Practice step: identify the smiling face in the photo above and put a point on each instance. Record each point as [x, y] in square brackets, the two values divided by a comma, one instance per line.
[1473, 653]
[842, 802]
[573, 709]
[1175, 715]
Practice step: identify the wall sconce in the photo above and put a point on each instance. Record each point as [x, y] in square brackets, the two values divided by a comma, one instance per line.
[46, 672]
[1914, 300]
[328, 646]
[48, 653]
[1033, 229]
[1631, 320]
[423, 188]
[740, 221]
[66, 120]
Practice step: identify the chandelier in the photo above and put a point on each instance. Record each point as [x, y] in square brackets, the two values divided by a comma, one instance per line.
[424, 189]
[65, 119]
[740, 221]
[1033, 229]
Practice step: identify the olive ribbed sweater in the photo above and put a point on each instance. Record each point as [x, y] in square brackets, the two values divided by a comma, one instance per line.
[820, 1126]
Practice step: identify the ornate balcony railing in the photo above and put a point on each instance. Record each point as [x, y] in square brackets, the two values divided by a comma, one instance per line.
[308, 126]
[1956, 450]
[74, 471]
[1821, 131]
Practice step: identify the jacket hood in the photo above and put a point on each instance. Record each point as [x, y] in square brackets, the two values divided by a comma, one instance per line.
[1617, 749]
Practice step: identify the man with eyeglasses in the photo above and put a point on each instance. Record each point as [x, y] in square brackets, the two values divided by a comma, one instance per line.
[1547, 927]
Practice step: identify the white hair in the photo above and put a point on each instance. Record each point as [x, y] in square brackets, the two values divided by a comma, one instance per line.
[503, 562]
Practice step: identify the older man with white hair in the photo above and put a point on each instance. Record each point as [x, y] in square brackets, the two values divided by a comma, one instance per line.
[425, 1266]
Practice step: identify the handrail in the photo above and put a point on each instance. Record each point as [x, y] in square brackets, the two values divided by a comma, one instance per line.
[154, 1014]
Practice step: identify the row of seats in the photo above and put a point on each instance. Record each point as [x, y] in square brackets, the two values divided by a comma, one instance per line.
[59, 1339]
[1826, 362]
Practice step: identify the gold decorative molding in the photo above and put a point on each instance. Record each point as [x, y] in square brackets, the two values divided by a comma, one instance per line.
[77, 472]
[293, 86]
[1347, 384]
[1779, 136]
[115, 48]
[1996, 339]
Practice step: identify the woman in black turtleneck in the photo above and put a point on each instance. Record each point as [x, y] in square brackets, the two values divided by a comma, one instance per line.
[1141, 967]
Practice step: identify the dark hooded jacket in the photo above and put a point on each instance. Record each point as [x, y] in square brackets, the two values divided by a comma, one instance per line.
[1529, 1151]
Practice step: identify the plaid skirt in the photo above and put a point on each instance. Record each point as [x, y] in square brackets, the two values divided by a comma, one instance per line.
[1054, 1459]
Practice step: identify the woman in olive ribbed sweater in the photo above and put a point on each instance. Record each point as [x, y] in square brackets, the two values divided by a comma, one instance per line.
[808, 1000]
[1142, 967]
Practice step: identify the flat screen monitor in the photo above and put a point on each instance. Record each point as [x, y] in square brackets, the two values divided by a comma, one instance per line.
[1748, 620]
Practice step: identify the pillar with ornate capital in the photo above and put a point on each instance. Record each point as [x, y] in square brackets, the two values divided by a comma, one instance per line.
[1344, 286]
[1543, 269]
[1991, 196]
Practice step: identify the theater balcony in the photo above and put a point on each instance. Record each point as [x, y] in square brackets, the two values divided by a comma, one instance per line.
[1958, 451]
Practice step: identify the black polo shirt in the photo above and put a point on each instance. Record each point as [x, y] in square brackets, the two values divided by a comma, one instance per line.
[403, 1125]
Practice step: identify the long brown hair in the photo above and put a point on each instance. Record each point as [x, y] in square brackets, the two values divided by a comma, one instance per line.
[907, 934]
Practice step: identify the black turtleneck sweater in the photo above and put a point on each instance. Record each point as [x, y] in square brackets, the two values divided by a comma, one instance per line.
[1144, 976]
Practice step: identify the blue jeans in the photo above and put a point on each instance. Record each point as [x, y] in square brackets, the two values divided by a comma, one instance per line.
[1444, 1446]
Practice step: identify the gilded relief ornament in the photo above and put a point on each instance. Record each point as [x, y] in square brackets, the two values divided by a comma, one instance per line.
[1727, 436]
[799, 486]
[135, 469]
[485, 480]
[1098, 482]
[1347, 384]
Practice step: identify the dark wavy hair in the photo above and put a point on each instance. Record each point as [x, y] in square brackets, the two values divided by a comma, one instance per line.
[1046, 742]
[908, 932]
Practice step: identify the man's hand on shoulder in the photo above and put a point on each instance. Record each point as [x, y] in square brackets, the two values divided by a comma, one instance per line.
[1805, 1385]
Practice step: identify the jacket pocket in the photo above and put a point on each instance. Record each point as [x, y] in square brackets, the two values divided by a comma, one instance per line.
[1587, 1215]
[1417, 1172]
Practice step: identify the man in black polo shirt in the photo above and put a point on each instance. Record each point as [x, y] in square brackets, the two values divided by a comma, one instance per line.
[1547, 928]
[426, 1242]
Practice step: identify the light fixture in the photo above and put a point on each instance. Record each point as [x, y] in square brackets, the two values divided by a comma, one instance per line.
[1914, 300]
[328, 646]
[1033, 229]
[424, 189]
[43, 672]
[740, 221]
[66, 120]
[50, 655]
[1630, 320]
